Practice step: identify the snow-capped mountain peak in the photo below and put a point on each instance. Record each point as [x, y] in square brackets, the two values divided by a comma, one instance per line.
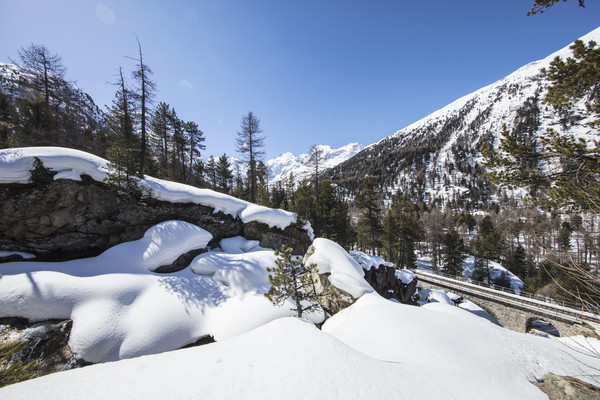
[281, 166]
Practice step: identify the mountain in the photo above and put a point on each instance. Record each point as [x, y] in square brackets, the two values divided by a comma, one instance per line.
[280, 167]
[438, 158]
[19, 82]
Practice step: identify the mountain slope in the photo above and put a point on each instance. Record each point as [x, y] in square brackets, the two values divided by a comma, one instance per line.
[280, 167]
[438, 157]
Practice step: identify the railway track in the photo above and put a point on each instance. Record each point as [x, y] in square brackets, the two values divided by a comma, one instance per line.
[554, 309]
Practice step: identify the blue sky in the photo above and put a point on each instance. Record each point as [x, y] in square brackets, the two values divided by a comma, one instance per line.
[314, 72]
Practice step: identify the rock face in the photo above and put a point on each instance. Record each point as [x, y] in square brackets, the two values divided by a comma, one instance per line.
[383, 280]
[567, 388]
[31, 350]
[65, 219]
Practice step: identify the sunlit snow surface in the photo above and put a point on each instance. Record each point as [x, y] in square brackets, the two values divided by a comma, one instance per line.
[376, 349]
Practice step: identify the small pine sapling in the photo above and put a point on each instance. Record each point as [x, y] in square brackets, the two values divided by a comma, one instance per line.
[291, 279]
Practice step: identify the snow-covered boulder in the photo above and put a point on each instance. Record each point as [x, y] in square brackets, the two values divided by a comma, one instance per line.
[72, 213]
[382, 275]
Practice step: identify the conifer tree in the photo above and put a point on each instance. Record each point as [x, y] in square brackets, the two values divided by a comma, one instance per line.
[293, 280]
[161, 125]
[48, 67]
[211, 172]
[369, 224]
[223, 173]
[248, 144]
[145, 95]
[195, 139]
[453, 253]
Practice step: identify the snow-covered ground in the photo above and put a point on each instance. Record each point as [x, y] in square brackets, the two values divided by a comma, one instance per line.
[375, 349]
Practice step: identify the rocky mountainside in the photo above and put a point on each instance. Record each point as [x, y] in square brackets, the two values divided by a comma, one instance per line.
[438, 157]
[18, 82]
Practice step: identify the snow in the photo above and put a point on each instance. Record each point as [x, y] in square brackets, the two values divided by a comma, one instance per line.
[120, 309]
[346, 273]
[367, 261]
[281, 166]
[375, 349]
[442, 339]
[16, 253]
[15, 166]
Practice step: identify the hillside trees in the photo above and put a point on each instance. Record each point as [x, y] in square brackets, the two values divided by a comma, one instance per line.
[571, 181]
[248, 144]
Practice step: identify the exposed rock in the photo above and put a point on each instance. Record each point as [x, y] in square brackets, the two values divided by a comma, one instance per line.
[567, 388]
[65, 219]
[383, 279]
[331, 299]
[582, 330]
[180, 263]
[32, 350]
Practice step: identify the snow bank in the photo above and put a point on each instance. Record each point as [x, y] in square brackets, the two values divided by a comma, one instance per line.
[120, 309]
[15, 166]
[367, 261]
[443, 340]
[285, 359]
[346, 273]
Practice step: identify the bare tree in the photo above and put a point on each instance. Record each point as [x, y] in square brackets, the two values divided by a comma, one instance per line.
[146, 89]
[48, 67]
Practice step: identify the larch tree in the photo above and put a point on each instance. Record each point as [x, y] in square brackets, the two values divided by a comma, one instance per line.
[248, 144]
[292, 279]
[49, 68]
[146, 90]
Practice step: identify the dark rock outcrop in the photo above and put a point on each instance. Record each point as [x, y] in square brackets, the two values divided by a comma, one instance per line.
[65, 219]
[31, 350]
[383, 279]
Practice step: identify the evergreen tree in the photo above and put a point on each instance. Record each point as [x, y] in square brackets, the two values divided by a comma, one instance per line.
[8, 118]
[124, 146]
[211, 172]
[248, 144]
[195, 139]
[293, 280]
[223, 173]
[539, 6]
[160, 125]
[453, 253]
[369, 224]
